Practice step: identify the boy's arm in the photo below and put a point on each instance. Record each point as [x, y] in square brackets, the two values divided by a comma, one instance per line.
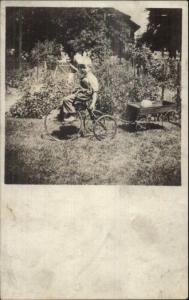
[94, 99]
[74, 68]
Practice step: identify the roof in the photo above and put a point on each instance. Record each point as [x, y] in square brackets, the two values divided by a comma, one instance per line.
[125, 17]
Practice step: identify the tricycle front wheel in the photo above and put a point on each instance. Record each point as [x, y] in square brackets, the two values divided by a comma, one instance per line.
[89, 119]
[105, 127]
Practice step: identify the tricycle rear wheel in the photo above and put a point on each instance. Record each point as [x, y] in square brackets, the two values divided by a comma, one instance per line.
[58, 130]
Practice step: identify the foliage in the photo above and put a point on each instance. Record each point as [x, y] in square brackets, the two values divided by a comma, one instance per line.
[164, 30]
[16, 78]
[118, 82]
[13, 78]
[165, 71]
[48, 51]
[118, 86]
[35, 103]
[141, 55]
[78, 29]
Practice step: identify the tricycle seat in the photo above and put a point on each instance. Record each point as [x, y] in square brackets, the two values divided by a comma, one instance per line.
[80, 104]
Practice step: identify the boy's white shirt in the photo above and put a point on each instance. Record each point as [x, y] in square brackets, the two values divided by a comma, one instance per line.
[92, 80]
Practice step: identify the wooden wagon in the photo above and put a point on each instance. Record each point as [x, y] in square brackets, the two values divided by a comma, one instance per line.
[158, 112]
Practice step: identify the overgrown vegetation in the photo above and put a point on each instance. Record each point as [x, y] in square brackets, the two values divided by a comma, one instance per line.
[47, 37]
[118, 86]
[35, 104]
[119, 81]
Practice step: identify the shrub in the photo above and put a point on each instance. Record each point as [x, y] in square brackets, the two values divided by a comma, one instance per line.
[49, 52]
[15, 78]
[118, 86]
[39, 97]
[118, 83]
[37, 103]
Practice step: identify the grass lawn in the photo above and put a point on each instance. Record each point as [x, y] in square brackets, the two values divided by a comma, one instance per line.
[150, 157]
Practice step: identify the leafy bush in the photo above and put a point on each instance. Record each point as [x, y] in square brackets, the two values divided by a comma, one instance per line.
[118, 86]
[37, 103]
[49, 52]
[39, 97]
[16, 78]
[118, 83]
[165, 71]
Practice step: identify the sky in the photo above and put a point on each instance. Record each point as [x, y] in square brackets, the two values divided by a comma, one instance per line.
[136, 11]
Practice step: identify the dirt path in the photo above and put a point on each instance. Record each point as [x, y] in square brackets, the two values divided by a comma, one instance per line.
[11, 97]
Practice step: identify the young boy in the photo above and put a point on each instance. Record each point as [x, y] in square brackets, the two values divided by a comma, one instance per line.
[87, 92]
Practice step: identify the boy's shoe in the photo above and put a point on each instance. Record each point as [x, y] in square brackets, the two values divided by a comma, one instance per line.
[69, 119]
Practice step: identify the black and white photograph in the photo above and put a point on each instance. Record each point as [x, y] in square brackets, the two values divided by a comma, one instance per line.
[94, 150]
[93, 95]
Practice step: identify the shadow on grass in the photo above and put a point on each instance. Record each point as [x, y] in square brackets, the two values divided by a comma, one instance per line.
[175, 123]
[16, 171]
[149, 126]
[67, 132]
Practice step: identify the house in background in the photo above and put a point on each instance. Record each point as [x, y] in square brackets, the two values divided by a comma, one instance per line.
[121, 30]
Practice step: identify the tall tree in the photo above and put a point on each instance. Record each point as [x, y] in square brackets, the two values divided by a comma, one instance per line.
[101, 30]
[164, 30]
[20, 38]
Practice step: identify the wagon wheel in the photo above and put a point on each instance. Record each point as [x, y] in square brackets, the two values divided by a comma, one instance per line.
[141, 124]
[149, 118]
[156, 116]
[161, 118]
[166, 116]
[173, 117]
[178, 115]
[105, 127]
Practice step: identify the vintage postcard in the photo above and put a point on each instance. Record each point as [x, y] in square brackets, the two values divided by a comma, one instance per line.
[94, 150]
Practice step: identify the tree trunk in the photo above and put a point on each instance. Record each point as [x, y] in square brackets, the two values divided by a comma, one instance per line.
[164, 78]
[178, 99]
[37, 61]
[162, 92]
[20, 39]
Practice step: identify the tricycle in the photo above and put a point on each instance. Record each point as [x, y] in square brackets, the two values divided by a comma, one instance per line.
[86, 122]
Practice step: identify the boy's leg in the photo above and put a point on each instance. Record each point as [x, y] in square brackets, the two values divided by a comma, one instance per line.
[68, 110]
[67, 104]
